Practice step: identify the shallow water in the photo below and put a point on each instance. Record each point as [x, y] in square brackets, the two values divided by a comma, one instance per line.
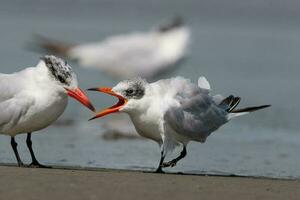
[250, 49]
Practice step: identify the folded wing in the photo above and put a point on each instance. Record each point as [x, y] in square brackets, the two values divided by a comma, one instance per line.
[198, 114]
[12, 105]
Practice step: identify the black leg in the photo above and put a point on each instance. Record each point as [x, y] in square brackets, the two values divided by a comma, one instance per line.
[14, 146]
[162, 157]
[34, 162]
[173, 162]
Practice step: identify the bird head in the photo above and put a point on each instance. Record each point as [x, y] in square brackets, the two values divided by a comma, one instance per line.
[63, 77]
[128, 92]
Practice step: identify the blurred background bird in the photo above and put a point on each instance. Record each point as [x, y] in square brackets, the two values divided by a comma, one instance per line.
[144, 54]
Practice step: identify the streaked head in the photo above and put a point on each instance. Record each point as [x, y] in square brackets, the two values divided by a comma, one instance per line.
[60, 71]
[63, 76]
[128, 92]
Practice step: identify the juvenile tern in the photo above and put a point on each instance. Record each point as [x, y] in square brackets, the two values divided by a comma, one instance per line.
[173, 111]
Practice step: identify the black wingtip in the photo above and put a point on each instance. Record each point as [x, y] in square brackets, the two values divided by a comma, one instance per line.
[265, 106]
[230, 102]
[250, 109]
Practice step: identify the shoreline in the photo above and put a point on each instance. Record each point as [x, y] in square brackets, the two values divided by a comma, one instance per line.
[151, 171]
[92, 183]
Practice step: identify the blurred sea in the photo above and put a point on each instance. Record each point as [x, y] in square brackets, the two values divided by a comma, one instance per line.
[247, 48]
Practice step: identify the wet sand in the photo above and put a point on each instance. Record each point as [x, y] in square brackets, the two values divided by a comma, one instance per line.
[32, 183]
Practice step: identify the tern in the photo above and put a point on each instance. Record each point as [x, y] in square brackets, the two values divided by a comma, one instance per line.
[34, 98]
[145, 54]
[173, 111]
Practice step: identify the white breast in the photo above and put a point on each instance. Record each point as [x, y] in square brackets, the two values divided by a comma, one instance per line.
[147, 126]
[147, 115]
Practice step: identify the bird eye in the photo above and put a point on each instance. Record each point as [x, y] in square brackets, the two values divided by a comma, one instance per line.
[61, 79]
[129, 91]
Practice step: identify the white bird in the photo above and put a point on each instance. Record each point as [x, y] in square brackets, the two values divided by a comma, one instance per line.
[173, 111]
[144, 54]
[34, 98]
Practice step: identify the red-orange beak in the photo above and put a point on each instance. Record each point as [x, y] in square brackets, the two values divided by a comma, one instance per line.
[115, 108]
[79, 95]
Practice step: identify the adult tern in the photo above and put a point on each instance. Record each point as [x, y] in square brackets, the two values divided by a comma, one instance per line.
[145, 54]
[34, 98]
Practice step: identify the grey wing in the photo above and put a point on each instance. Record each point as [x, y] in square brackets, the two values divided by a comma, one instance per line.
[196, 118]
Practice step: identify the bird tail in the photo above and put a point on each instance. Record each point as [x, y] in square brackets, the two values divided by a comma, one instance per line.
[176, 22]
[230, 103]
[51, 46]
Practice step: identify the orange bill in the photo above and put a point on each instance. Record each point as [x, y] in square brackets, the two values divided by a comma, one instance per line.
[80, 96]
[115, 108]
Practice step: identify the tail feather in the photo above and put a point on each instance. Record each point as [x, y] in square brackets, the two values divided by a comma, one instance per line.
[53, 46]
[177, 21]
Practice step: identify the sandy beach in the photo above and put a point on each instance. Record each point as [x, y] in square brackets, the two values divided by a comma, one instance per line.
[32, 183]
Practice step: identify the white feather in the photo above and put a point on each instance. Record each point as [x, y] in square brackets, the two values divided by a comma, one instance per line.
[203, 83]
[234, 115]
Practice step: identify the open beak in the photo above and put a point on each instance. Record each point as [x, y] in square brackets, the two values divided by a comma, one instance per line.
[115, 108]
[79, 95]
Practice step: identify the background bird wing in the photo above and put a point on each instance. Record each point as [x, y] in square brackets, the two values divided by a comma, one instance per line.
[121, 56]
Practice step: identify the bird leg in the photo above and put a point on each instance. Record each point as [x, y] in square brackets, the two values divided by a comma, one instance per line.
[159, 169]
[173, 162]
[34, 162]
[14, 147]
